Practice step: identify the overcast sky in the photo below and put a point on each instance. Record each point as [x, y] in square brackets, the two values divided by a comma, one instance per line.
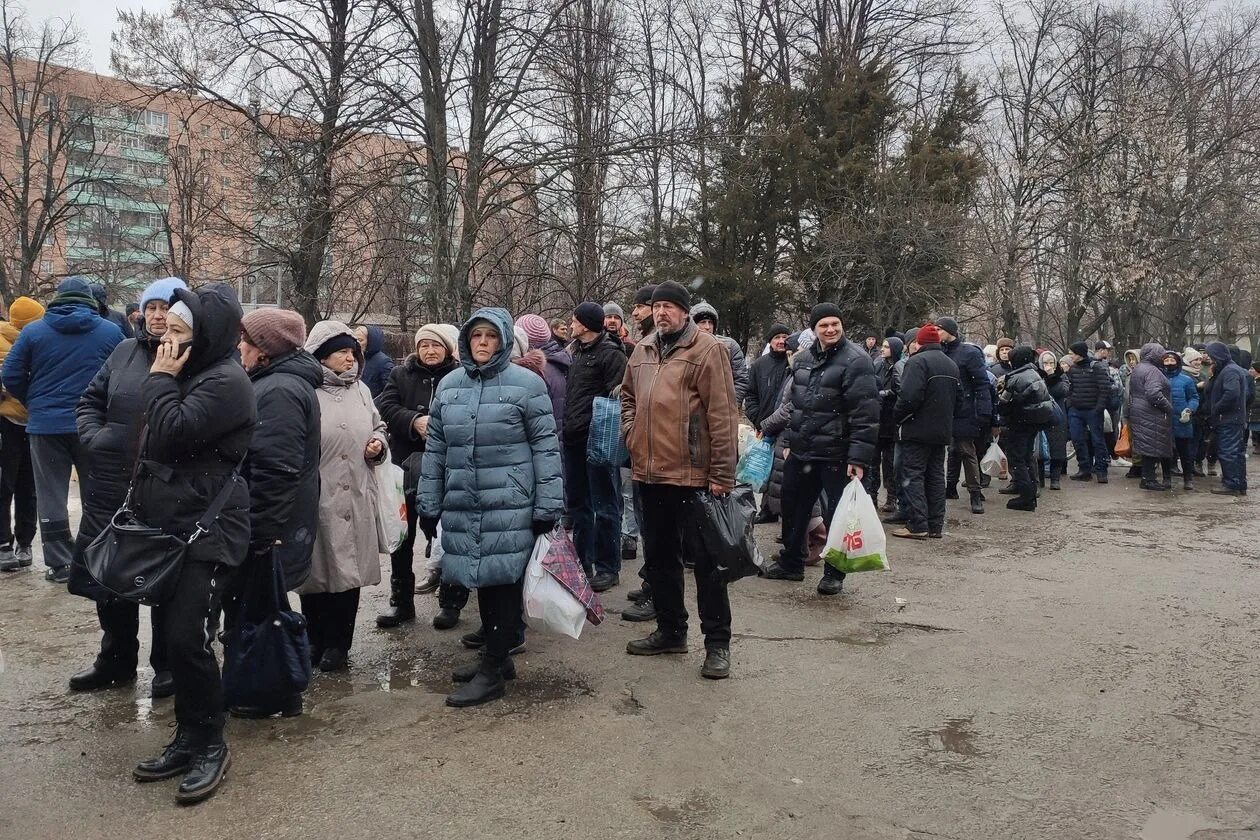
[94, 18]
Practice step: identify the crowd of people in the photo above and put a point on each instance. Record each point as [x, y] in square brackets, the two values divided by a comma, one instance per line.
[186, 404]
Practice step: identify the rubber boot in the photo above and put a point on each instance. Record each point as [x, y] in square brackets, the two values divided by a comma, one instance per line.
[402, 605]
[977, 501]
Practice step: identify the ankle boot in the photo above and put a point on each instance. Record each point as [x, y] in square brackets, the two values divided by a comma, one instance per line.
[465, 673]
[174, 760]
[486, 685]
[977, 502]
[208, 770]
[402, 606]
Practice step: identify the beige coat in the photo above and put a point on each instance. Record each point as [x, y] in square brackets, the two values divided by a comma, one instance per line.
[346, 554]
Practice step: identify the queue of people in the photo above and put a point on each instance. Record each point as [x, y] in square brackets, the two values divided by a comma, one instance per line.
[284, 434]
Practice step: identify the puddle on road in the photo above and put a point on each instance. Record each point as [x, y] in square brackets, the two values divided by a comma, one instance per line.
[1167, 824]
[956, 736]
[696, 808]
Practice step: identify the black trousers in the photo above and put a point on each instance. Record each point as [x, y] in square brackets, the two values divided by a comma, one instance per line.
[668, 520]
[885, 450]
[402, 573]
[502, 619]
[187, 629]
[923, 483]
[803, 483]
[1185, 452]
[120, 642]
[17, 486]
[1149, 464]
[1019, 444]
[330, 619]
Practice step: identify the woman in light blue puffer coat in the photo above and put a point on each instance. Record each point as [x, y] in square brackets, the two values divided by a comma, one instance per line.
[491, 474]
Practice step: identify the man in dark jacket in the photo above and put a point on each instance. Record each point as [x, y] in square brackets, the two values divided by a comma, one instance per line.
[47, 370]
[1089, 391]
[831, 437]
[109, 419]
[765, 386]
[376, 362]
[706, 318]
[888, 378]
[973, 413]
[116, 318]
[1024, 409]
[1227, 409]
[404, 406]
[592, 491]
[924, 416]
[283, 462]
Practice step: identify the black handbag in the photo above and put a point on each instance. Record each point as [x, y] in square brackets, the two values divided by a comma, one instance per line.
[267, 655]
[138, 562]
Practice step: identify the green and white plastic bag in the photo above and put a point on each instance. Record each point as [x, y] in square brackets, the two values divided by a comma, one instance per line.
[855, 541]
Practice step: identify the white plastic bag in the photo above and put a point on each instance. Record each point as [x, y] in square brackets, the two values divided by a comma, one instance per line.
[547, 600]
[856, 541]
[994, 461]
[391, 508]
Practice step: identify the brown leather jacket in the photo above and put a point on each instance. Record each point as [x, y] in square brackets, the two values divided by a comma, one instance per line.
[678, 414]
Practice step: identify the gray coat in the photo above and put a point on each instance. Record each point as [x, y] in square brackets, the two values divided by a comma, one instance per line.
[1150, 405]
[491, 467]
[346, 554]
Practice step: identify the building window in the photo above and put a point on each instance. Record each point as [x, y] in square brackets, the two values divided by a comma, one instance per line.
[224, 159]
[225, 183]
[48, 102]
[205, 154]
[225, 134]
[157, 120]
[204, 131]
[45, 267]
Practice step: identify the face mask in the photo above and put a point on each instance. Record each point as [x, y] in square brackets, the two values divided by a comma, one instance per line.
[1170, 368]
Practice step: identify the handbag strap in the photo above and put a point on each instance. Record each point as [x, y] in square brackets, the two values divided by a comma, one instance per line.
[216, 507]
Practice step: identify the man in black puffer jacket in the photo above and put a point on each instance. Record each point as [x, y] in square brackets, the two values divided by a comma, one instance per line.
[1089, 391]
[283, 464]
[973, 414]
[924, 416]
[831, 437]
[1024, 408]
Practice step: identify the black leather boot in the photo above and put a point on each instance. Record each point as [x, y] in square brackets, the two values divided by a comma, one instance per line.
[402, 606]
[163, 685]
[466, 673]
[486, 685]
[174, 760]
[977, 502]
[208, 770]
[446, 618]
[100, 676]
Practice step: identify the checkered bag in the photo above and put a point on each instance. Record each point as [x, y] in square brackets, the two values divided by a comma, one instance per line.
[561, 562]
[604, 445]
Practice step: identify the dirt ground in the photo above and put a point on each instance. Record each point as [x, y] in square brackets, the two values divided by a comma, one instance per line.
[1088, 671]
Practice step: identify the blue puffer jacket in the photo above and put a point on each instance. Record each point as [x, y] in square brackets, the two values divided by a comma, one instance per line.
[54, 359]
[1227, 389]
[376, 362]
[1184, 395]
[491, 465]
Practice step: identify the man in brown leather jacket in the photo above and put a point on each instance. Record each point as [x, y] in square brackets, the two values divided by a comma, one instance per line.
[679, 418]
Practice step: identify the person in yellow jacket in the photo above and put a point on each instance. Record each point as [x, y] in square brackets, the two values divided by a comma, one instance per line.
[17, 477]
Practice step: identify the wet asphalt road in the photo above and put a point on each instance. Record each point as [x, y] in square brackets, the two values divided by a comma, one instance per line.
[1090, 671]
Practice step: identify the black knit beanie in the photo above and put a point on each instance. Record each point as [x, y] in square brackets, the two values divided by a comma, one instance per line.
[822, 310]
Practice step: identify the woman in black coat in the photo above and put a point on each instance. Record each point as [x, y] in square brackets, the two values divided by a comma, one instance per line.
[109, 417]
[199, 416]
[404, 406]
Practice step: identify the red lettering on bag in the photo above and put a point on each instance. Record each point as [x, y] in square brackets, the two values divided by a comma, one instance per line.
[853, 541]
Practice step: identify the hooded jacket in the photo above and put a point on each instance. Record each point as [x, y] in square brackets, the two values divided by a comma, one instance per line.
[55, 358]
[199, 427]
[1184, 394]
[1150, 405]
[835, 404]
[888, 381]
[346, 554]
[491, 467]
[927, 400]
[376, 362]
[973, 412]
[10, 408]
[739, 365]
[1227, 389]
[283, 463]
[597, 368]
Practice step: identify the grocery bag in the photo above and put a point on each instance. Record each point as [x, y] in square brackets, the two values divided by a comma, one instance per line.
[855, 541]
[553, 606]
[722, 528]
[994, 461]
[604, 445]
[391, 508]
[562, 563]
[754, 465]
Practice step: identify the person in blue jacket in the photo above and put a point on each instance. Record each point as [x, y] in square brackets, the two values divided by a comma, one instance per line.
[376, 362]
[1185, 402]
[48, 369]
[1227, 411]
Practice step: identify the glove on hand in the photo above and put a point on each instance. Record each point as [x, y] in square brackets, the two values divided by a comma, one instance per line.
[542, 527]
[428, 526]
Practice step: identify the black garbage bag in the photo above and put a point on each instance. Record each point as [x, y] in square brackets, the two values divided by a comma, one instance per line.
[724, 531]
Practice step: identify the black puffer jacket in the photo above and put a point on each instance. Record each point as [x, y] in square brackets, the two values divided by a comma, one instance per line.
[597, 369]
[928, 401]
[765, 384]
[283, 463]
[835, 405]
[200, 424]
[973, 413]
[1089, 385]
[888, 378]
[1025, 403]
[408, 394]
[109, 417]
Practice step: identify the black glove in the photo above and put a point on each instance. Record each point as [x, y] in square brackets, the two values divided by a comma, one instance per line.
[542, 527]
[428, 526]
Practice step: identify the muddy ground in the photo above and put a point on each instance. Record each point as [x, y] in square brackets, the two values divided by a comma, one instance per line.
[1090, 671]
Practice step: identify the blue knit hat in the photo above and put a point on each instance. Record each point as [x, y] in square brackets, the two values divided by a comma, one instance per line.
[161, 290]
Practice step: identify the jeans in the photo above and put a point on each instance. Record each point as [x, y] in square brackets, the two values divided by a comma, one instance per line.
[1019, 447]
[187, 628]
[629, 511]
[922, 474]
[964, 460]
[803, 483]
[330, 619]
[502, 618]
[1231, 451]
[594, 500]
[668, 517]
[52, 457]
[1086, 429]
[17, 486]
